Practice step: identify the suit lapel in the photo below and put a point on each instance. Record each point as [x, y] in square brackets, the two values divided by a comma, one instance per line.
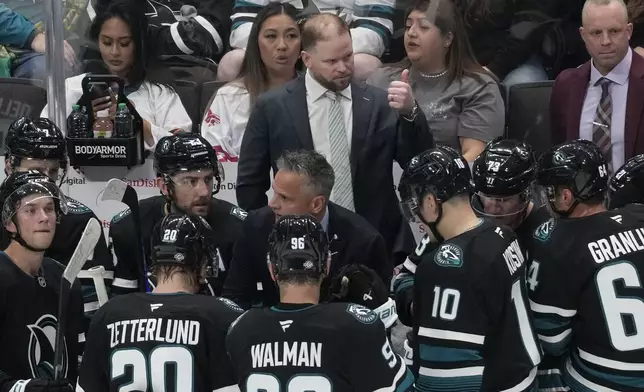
[576, 102]
[299, 112]
[362, 104]
[634, 105]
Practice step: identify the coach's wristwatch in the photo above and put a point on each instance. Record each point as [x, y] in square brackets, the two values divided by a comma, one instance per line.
[414, 112]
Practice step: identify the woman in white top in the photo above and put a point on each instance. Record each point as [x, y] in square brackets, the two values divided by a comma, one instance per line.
[120, 32]
[270, 60]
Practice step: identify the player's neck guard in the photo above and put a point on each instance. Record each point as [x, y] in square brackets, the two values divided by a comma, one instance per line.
[387, 313]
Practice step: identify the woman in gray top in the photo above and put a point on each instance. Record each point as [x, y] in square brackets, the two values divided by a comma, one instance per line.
[461, 101]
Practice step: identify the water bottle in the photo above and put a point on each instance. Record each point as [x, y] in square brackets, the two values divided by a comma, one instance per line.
[77, 123]
[123, 122]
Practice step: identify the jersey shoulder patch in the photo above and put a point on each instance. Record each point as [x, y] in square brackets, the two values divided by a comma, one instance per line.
[76, 207]
[449, 255]
[544, 231]
[239, 213]
[121, 215]
[362, 314]
[230, 304]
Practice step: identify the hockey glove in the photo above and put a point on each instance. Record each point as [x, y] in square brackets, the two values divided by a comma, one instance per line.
[42, 385]
[359, 284]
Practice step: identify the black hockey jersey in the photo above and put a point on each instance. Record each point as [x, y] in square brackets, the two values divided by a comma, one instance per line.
[193, 27]
[304, 347]
[225, 219]
[587, 296]
[159, 342]
[28, 323]
[472, 327]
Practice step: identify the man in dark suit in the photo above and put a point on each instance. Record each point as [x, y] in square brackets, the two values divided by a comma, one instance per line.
[350, 123]
[602, 99]
[302, 185]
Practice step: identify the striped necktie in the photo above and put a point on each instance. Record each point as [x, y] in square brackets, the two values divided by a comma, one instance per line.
[602, 123]
[342, 193]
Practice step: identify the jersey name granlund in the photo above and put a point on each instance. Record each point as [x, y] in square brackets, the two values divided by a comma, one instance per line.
[617, 245]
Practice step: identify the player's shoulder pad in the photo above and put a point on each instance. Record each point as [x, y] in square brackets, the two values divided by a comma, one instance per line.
[361, 313]
[239, 213]
[544, 231]
[76, 207]
[230, 305]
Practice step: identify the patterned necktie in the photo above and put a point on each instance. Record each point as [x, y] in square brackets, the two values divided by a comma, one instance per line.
[342, 193]
[602, 123]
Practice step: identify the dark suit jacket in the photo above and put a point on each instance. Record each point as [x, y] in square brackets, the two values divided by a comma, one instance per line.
[351, 240]
[280, 122]
[567, 100]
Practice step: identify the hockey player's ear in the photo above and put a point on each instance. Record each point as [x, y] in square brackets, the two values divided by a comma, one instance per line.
[162, 186]
[11, 227]
[8, 169]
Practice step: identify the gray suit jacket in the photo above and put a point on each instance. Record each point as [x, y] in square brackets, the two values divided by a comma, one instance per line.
[279, 122]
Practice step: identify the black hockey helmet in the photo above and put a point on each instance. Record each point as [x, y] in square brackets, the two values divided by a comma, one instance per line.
[22, 184]
[578, 165]
[506, 167]
[298, 245]
[441, 171]
[36, 138]
[184, 240]
[627, 184]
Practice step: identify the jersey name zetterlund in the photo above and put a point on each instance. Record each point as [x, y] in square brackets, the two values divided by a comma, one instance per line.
[306, 354]
[171, 331]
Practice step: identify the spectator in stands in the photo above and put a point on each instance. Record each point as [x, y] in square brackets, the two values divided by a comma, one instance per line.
[270, 61]
[636, 14]
[351, 123]
[120, 32]
[506, 36]
[24, 43]
[461, 101]
[602, 99]
[371, 25]
[186, 27]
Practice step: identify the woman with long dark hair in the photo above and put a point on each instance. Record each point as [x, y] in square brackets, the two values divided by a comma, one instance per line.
[121, 32]
[636, 17]
[270, 61]
[460, 99]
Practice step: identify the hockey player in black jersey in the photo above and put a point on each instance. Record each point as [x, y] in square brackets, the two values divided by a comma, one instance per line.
[626, 186]
[301, 345]
[38, 144]
[169, 339]
[472, 327]
[587, 292]
[29, 289]
[188, 176]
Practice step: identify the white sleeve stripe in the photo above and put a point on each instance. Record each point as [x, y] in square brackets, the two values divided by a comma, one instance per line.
[20, 386]
[450, 335]
[402, 370]
[552, 309]
[557, 338]
[243, 15]
[213, 32]
[587, 383]
[610, 363]
[81, 337]
[410, 265]
[387, 313]
[446, 373]
[546, 372]
[523, 385]
[90, 306]
[126, 283]
[230, 388]
[176, 37]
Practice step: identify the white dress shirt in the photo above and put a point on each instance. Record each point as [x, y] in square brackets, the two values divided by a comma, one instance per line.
[618, 90]
[319, 104]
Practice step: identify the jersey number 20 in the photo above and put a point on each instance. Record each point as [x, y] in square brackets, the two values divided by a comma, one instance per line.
[153, 368]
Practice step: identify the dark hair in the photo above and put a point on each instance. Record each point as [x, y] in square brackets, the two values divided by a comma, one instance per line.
[253, 72]
[165, 272]
[317, 28]
[460, 59]
[311, 165]
[133, 14]
[635, 10]
[473, 10]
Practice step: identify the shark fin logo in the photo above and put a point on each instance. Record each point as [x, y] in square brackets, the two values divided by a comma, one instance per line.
[42, 343]
[449, 255]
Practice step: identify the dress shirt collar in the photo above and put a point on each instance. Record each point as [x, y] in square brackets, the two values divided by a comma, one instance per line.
[316, 90]
[618, 75]
[325, 220]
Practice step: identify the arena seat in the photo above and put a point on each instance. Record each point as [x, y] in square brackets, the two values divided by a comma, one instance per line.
[19, 97]
[188, 91]
[208, 91]
[528, 114]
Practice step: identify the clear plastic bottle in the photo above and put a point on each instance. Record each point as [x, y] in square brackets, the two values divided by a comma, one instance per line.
[123, 122]
[77, 123]
[103, 126]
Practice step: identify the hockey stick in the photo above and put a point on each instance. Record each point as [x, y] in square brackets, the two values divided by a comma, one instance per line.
[98, 275]
[120, 191]
[84, 249]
